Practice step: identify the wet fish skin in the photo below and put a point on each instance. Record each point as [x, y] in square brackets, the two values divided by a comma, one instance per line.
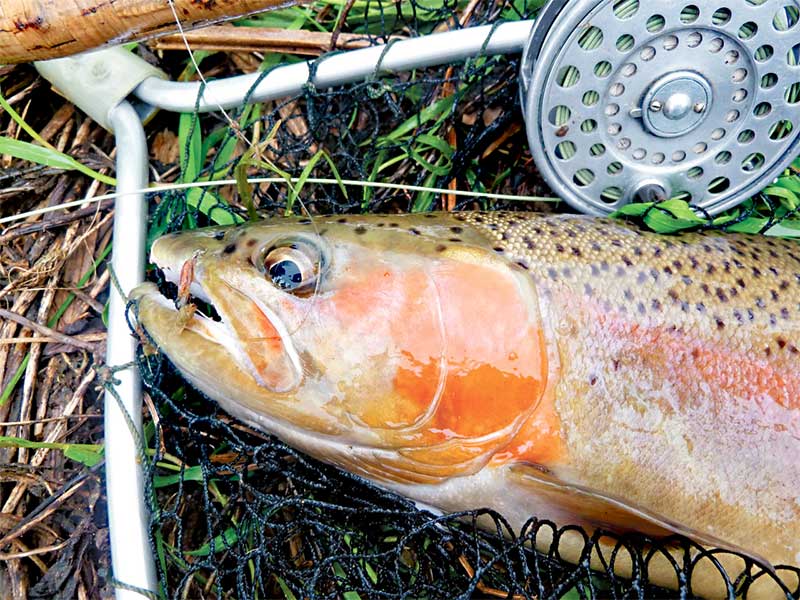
[655, 377]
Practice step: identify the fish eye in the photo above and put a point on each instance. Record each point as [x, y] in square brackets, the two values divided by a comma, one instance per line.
[293, 266]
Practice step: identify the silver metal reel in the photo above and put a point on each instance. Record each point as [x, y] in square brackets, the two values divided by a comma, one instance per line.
[629, 100]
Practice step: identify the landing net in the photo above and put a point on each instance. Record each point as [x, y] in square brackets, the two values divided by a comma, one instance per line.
[238, 514]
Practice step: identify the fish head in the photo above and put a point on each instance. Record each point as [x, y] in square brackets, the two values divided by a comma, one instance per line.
[401, 348]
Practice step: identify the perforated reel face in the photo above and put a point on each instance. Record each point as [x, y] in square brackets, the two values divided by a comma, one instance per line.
[630, 100]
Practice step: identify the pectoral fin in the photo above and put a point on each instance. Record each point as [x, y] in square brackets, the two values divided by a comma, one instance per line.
[593, 510]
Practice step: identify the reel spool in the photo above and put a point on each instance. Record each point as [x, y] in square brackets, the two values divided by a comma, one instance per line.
[629, 100]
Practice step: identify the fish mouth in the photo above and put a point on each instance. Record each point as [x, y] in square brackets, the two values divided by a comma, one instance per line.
[210, 315]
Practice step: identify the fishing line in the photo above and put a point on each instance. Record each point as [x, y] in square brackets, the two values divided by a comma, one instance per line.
[256, 180]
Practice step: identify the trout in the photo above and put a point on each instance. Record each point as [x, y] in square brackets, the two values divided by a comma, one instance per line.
[572, 368]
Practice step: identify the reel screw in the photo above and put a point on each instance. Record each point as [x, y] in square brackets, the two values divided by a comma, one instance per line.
[699, 107]
[650, 192]
[656, 106]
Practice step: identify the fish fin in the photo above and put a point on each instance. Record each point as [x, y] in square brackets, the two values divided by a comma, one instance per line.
[596, 510]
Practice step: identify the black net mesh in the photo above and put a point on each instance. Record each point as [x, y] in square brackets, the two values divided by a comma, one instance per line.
[237, 514]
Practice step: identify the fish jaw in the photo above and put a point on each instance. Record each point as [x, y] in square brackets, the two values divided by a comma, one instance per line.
[252, 333]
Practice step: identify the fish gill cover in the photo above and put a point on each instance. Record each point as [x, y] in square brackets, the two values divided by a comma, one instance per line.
[237, 514]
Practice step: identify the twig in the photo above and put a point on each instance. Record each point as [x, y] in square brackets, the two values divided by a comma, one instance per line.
[337, 31]
[485, 589]
[36, 551]
[55, 221]
[47, 331]
[45, 509]
[51, 419]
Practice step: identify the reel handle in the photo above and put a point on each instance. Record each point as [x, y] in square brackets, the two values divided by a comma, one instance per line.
[33, 30]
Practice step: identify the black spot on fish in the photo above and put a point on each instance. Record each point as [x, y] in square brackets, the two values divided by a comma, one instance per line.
[720, 323]
[229, 249]
[433, 216]
[588, 290]
[251, 242]
[781, 343]
[305, 221]
[575, 251]
[360, 230]
[441, 248]
[394, 225]
[414, 231]
[457, 240]
[341, 220]
[768, 351]
[523, 264]
[218, 235]
[456, 229]
[499, 249]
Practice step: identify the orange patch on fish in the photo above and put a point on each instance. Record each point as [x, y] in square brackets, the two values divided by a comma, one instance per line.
[728, 370]
[496, 369]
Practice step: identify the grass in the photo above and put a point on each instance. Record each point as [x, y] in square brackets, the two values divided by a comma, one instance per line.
[419, 148]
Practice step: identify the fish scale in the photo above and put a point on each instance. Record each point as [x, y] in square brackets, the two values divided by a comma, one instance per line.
[662, 339]
[714, 281]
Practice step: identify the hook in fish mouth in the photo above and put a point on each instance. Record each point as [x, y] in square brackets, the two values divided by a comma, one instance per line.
[252, 335]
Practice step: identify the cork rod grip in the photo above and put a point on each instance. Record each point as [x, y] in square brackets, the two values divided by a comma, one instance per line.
[42, 29]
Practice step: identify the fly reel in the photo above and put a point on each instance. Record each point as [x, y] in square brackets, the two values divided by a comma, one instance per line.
[629, 100]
